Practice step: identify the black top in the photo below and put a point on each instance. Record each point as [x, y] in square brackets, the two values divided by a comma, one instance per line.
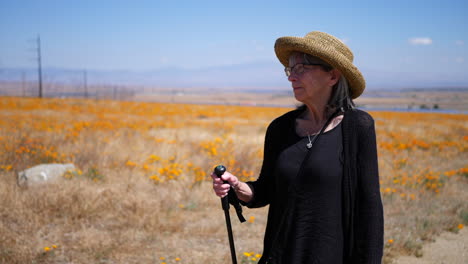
[316, 233]
[334, 214]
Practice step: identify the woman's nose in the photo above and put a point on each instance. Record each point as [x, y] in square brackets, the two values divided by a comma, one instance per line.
[292, 77]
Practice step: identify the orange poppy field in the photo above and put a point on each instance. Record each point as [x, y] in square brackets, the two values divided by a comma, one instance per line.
[142, 189]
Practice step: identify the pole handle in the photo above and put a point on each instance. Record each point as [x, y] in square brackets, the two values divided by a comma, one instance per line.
[219, 171]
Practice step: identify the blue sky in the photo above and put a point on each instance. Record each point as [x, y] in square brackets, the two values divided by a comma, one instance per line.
[396, 43]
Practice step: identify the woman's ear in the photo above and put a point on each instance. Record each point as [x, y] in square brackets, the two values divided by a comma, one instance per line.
[335, 76]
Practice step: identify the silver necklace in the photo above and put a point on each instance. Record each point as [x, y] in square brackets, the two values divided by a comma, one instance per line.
[311, 141]
[309, 145]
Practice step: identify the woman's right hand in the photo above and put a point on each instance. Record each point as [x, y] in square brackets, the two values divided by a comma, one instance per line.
[220, 188]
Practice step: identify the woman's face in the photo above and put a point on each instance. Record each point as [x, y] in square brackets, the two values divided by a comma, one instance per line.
[314, 84]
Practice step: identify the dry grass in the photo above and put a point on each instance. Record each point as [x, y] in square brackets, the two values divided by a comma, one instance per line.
[144, 193]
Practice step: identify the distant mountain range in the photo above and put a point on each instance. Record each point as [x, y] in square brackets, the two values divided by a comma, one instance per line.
[256, 76]
[228, 77]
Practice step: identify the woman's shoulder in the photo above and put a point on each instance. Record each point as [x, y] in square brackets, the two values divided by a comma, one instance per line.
[286, 118]
[360, 117]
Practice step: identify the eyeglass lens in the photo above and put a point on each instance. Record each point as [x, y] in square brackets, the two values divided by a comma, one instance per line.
[297, 69]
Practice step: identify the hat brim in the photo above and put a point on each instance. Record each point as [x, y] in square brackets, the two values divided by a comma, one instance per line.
[285, 46]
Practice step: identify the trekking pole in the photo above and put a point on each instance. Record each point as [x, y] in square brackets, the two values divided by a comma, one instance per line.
[219, 170]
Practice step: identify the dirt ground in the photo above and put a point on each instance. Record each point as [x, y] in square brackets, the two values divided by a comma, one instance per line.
[448, 248]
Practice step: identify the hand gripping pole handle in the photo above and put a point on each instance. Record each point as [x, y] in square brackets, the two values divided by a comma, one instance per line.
[219, 171]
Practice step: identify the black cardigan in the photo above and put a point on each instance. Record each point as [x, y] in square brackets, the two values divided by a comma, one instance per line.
[362, 205]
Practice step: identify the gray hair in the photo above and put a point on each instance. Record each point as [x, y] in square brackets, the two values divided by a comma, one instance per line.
[340, 96]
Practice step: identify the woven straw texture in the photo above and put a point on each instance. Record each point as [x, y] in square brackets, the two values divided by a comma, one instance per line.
[329, 49]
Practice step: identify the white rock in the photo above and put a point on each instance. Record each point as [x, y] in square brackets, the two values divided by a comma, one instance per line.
[43, 173]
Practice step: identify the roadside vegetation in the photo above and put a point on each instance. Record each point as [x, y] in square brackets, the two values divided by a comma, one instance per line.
[143, 194]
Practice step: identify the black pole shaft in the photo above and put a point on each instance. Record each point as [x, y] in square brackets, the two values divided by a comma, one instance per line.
[229, 230]
[219, 170]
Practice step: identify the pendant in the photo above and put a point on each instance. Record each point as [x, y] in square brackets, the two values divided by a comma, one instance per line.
[309, 145]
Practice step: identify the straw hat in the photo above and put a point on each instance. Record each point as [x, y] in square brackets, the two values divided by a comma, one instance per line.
[329, 49]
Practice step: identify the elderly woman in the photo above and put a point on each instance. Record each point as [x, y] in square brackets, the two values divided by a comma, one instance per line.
[319, 173]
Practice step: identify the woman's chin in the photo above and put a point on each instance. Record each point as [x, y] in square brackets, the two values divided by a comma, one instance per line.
[299, 96]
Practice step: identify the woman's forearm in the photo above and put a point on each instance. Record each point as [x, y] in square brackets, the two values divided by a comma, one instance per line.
[244, 192]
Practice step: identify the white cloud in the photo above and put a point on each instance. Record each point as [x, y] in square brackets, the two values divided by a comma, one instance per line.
[344, 40]
[212, 44]
[258, 46]
[407, 59]
[445, 59]
[460, 59]
[459, 43]
[163, 60]
[420, 41]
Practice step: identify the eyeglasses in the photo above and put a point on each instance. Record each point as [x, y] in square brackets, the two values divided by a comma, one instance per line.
[298, 68]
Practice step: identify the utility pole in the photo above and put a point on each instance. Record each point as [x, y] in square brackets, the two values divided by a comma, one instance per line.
[39, 65]
[23, 83]
[85, 82]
